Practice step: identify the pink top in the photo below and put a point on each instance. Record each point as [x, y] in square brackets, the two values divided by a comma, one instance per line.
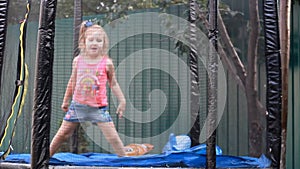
[91, 83]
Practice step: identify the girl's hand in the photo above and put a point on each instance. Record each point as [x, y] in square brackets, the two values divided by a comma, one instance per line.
[65, 106]
[121, 109]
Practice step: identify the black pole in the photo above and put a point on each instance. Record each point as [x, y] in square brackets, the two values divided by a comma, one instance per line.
[274, 87]
[212, 70]
[77, 22]
[193, 62]
[40, 138]
[3, 27]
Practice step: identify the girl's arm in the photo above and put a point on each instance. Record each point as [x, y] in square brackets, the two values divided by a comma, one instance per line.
[70, 87]
[114, 85]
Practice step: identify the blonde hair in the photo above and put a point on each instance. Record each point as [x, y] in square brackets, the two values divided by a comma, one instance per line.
[86, 25]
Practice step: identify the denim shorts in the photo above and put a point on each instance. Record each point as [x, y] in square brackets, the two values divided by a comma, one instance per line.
[81, 113]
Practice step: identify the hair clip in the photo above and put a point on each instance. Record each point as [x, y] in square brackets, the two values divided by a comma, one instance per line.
[88, 23]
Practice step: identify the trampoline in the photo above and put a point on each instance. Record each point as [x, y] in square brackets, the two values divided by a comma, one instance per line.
[194, 157]
[175, 74]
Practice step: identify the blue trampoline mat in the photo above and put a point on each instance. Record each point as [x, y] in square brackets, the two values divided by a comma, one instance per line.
[191, 157]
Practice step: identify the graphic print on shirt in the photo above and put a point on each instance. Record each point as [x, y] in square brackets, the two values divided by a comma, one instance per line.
[89, 83]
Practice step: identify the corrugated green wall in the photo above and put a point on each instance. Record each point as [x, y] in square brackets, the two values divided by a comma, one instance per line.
[149, 88]
[232, 123]
[232, 132]
[293, 146]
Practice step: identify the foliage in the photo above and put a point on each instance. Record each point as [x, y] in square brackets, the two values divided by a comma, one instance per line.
[116, 9]
[113, 9]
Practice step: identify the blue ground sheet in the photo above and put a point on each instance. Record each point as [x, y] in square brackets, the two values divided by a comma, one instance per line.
[192, 157]
[176, 153]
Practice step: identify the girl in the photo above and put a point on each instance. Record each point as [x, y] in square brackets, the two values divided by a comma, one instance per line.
[87, 87]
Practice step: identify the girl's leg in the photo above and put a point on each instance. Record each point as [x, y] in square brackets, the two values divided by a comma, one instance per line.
[112, 136]
[64, 132]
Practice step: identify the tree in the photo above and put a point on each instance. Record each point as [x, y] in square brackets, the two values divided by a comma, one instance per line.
[245, 78]
[254, 114]
[248, 78]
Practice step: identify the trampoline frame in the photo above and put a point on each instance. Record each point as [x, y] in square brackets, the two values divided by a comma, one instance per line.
[43, 82]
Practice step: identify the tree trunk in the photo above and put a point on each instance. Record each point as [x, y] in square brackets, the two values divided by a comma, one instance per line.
[254, 116]
[246, 81]
[212, 98]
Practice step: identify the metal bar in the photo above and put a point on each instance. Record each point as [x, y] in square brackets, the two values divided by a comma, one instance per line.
[274, 87]
[40, 139]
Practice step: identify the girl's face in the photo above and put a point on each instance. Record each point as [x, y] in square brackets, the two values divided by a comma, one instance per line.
[94, 42]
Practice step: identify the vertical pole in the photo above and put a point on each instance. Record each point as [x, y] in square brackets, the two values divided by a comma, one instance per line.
[274, 87]
[193, 62]
[43, 86]
[3, 28]
[284, 27]
[212, 70]
[77, 22]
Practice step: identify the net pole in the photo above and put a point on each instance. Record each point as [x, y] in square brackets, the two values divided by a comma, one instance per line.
[40, 137]
[194, 75]
[3, 27]
[274, 87]
[285, 17]
[77, 22]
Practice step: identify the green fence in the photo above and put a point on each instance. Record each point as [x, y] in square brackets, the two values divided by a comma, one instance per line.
[293, 148]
